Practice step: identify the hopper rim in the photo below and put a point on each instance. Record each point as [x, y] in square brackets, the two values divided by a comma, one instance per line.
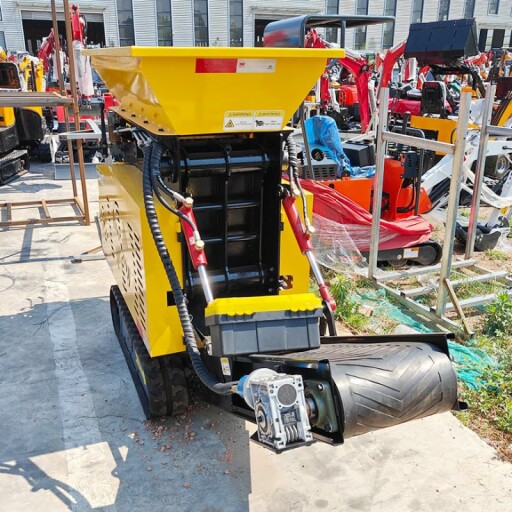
[214, 52]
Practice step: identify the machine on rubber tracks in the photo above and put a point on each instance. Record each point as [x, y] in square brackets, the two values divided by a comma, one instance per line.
[211, 252]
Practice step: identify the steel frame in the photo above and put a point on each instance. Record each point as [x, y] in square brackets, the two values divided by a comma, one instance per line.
[43, 99]
[445, 286]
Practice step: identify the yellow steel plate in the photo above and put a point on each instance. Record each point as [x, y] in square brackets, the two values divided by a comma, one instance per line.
[193, 91]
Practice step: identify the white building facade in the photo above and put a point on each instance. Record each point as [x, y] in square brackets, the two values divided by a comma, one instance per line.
[23, 23]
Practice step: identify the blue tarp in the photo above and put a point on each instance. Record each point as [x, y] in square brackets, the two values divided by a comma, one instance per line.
[322, 130]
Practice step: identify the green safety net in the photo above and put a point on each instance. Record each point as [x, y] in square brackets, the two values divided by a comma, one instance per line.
[470, 362]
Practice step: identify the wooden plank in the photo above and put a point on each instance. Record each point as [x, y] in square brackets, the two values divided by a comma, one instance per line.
[41, 221]
[45, 209]
[79, 205]
[15, 204]
[61, 201]
[458, 308]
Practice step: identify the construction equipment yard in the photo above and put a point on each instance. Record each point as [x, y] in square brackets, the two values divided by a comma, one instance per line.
[74, 436]
[225, 290]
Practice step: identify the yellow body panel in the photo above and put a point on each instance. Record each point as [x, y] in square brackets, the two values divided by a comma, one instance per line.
[134, 260]
[163, 90]
[138, 271]
[291, 260]
[7, 116]
[507, 114]
[26, 68]
[250, 305]
[446, 128]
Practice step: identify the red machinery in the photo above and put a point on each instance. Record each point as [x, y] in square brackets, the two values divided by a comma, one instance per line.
[400, 201]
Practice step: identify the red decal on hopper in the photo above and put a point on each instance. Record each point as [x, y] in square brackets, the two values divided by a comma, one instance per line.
[216, 65]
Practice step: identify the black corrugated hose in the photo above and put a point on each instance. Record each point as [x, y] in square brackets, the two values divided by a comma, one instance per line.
[293, 162]
[152, 158]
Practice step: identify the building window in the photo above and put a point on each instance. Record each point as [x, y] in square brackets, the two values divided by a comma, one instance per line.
[417, 11]
[1, 17]
[125, 21]
[236, 19]
[164, 22]
[360, 32]
[494, 7]
[201, 22]
[469, 8]
[444, 10]
[388, 33]
[498, 37]
[332, 7]
[482, 39]
[2, 40]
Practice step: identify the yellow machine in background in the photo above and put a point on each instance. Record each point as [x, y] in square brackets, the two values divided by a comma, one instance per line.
[32, 71]
[211, 252]
[22, 130]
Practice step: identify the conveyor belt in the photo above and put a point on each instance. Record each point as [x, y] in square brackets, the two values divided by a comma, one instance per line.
[378, 384]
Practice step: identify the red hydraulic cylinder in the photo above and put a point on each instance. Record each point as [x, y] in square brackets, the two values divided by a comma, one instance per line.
[195, 249]
[304, 240]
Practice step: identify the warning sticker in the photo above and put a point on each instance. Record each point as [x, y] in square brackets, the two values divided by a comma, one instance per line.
[238, 120]
[247, 120]
[411, 252]
[256, 66]
[268, 119]
[226, 370]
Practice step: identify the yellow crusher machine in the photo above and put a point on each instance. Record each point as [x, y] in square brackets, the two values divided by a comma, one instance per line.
[211, 253]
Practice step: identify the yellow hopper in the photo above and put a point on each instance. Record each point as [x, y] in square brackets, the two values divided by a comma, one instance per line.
[188, 91]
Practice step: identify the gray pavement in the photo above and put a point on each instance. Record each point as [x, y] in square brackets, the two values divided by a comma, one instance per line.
[73, 435]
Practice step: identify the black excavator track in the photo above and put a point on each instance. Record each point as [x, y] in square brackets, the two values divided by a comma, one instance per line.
[160, 381]
[13, 165]
[377, 383]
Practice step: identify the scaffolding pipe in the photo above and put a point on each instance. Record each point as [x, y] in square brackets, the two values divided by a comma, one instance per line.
[76, 113]
[379, 182]
[62, 90]
[480, 169]
[453, 201]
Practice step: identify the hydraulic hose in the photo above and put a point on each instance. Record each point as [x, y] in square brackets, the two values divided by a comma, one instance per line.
[152, 158]
[293, 161]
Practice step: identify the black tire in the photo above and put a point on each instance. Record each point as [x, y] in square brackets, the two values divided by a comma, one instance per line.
[26, 162]
[497, 166]
[160, 381]
[114, 311]
[175, 383]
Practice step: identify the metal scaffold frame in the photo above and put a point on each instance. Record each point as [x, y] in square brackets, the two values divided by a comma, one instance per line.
[445, 286]
[43, 99]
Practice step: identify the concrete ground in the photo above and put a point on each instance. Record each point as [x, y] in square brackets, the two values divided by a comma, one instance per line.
[73, 435]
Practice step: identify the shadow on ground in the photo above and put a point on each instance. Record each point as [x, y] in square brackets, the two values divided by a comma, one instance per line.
[104, 453]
